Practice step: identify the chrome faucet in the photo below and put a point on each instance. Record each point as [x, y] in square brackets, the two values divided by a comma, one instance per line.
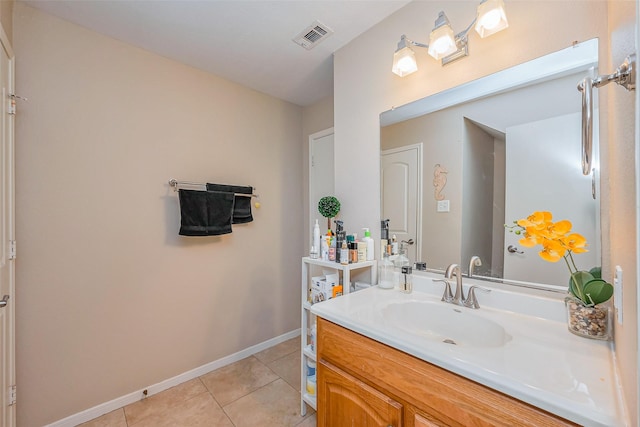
[475, 261]
[470, 301]
[454, 270]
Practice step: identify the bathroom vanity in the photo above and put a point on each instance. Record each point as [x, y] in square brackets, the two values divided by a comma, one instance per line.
[392, 359]
[363, 380]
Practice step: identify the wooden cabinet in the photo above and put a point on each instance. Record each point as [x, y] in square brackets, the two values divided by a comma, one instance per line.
[350, 402]
[357, 374]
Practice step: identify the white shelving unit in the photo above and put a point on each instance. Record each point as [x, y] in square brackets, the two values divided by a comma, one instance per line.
[310, 265]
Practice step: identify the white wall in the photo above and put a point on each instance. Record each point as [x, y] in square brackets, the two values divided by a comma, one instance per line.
[109, 298]
[364, 87]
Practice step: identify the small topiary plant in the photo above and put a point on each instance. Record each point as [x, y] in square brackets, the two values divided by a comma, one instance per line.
[328, 207]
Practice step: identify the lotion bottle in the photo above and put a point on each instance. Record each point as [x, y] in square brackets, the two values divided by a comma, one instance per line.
[369, 242]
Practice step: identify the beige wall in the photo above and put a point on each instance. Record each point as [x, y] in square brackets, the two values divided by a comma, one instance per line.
[109, 298]
[622, 203]
[6, 17]
[364, 87]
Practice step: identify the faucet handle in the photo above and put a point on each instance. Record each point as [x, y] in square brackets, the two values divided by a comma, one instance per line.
[472, 301]
[448, 295]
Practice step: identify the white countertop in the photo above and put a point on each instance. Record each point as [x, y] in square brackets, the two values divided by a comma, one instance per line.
[543, 364]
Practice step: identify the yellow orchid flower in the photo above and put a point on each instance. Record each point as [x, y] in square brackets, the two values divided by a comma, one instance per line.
[552, 251]
[575, 243]
[560, 228]
[536, 219]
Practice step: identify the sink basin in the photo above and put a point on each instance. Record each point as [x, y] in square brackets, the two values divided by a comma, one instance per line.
[445, 323]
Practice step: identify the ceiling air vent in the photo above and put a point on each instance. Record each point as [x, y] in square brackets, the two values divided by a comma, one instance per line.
[313, 35]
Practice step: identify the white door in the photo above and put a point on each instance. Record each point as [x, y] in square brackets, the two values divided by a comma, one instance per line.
[535, 183]
[321, 175]
[401, 194]
[7, 288]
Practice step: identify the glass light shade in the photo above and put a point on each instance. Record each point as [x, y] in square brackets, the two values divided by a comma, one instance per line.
[404, 62]
[442, 42]
[491, 18]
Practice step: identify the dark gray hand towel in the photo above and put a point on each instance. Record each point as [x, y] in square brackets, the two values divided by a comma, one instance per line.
[242, 204]
[203, 213]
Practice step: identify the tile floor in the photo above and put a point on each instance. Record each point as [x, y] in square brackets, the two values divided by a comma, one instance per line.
[261, 390]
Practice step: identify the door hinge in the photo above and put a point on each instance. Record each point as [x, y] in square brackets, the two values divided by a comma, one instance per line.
[12, 249]
[12, 395]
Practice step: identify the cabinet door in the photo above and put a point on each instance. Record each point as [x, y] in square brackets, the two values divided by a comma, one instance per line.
[344, 401]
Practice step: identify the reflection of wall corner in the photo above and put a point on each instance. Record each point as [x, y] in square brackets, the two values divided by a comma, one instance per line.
[439, 181]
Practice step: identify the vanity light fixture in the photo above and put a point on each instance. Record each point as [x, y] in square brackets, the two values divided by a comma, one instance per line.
[444, 44]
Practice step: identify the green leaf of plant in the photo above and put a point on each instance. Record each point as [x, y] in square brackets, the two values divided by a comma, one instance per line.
[577, 283]
[598, 291]
[596, 272]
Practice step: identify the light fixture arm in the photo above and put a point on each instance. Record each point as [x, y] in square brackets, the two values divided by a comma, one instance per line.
[462, 35]
[407, 40]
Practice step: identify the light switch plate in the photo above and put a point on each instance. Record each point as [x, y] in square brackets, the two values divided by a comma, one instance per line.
[443, 206]
[617, 293]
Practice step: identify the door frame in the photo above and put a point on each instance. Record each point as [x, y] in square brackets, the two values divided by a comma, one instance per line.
[9, 368]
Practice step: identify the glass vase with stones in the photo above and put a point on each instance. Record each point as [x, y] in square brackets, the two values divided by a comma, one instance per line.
[588, 321]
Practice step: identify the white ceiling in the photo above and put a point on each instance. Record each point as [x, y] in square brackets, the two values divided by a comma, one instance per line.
[246, 41]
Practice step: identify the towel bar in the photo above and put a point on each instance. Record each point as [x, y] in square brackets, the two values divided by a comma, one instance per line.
[175, 184]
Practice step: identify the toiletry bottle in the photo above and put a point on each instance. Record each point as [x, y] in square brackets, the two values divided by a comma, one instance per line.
[339, 239]
[324, 248]
[316, 238]
[362, 251]
[369, 241]
[399, 263]
[344, 254]
[312, 253]
[332, 249]
[406, 284]
[394, 245]
[384, 236]
[353, 252]
[386, 273]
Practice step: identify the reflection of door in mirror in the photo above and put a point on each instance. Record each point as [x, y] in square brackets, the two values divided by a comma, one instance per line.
[321, 174]
[401, 194]
[537, 182]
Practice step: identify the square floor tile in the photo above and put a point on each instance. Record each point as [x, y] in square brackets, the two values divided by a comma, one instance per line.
[164, 400]
[310, 421]
[276, 404]
[199, 411]
[112, 419]
[288, 368]
[238, 379]
[279, 350]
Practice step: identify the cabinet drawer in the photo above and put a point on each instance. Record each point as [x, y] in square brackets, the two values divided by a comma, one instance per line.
[447, 398]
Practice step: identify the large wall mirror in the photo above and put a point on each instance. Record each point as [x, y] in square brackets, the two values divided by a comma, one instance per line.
[459, 165]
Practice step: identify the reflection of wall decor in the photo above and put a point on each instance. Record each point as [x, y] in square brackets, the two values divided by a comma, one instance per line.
[439, 181]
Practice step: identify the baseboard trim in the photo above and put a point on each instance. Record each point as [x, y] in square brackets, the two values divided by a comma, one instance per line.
[104, 408]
